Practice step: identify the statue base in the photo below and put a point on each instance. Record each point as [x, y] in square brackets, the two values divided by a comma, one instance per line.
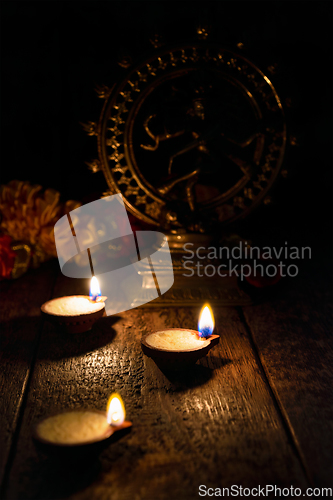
[191, 289]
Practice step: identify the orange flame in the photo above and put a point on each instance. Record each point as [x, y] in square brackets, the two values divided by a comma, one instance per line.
[115, 410]
[206, 321]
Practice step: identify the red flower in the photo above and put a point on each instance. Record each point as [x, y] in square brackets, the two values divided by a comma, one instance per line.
[7, 257]
[260, 277]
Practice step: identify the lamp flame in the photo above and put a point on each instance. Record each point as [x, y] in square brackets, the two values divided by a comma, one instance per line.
[95, 290]
[115, 410]
[206, 321]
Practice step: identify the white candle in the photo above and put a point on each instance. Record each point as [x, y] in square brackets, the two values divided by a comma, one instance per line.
[72, 306]
[176, 340]
[73, 427]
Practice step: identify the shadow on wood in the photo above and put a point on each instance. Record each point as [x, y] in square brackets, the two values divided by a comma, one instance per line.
[192, 376]
[18, 338]
[64, 345]
[63, 477]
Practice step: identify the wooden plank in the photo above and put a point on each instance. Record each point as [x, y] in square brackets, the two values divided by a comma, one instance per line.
[20, 323]
[293, 334]
[215, 424]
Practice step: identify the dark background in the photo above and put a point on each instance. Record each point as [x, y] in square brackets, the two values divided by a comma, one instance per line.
[54, 53]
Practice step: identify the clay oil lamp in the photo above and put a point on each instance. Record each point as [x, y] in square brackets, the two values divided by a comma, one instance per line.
[83, 432]
[176, 348]
[76, 313]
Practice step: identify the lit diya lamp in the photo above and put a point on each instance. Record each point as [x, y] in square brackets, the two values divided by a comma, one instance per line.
[81, 431]
[76, 313]
[178, 347]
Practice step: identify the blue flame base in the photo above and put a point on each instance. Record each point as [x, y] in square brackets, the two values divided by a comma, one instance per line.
[205, 332]
[95, 297]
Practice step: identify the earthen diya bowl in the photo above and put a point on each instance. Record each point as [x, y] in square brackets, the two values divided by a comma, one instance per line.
[72, 323]
[178, 359]
[79, 451]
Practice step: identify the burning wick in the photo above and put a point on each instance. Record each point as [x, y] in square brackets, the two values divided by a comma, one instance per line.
[95, 291]
[206, 322]
[95, 294]
[115, 410]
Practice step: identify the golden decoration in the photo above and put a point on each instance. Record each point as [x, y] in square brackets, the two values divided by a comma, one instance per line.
[136, 128]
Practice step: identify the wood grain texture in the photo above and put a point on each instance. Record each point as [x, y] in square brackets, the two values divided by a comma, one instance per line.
[20, 323]
[293, 335]
[215, 424]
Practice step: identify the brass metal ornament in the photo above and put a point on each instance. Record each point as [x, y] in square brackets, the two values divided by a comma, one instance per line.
[193, 137]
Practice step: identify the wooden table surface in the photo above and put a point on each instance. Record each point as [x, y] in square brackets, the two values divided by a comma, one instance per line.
[256, 411]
